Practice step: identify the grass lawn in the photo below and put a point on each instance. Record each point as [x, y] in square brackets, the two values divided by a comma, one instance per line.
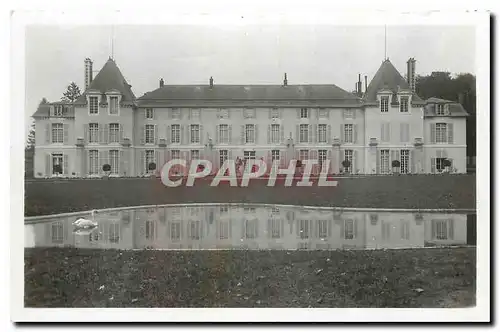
[382, 278]
[411, 191]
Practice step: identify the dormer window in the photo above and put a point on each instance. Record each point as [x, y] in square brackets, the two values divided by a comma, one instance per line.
[93, 104]
[440, 109]
[304, 114]
[58, 111]
[384, 104]
[403, 105]
[113, 105]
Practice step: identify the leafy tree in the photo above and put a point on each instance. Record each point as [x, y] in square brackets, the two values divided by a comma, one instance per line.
[152, 166]
[30, 143]
[72, 93]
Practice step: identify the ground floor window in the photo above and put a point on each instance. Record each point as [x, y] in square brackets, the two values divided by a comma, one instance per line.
[437, 165]
[322, 226]
[384, 162]
[114, 161]
[405, 161]
[251, 229]
[94, 162]
[150, 158]
[114, 233]
[57, 232]
[194, 230]
[275, 228]
[223, 155]
[151, 230]
[224, 230]
[303, 154]
[57, 163]
[175, 231]
[247, 155]
[195, 154]
[349, 229]
[442, 229]
[348, 156]
[321, 158]
[303, 229]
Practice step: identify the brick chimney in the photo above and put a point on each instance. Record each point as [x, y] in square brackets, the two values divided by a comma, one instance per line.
[88, 72]
[211, 82]
[162, 83]
[366, 83]
[410, 74]
[285, 81]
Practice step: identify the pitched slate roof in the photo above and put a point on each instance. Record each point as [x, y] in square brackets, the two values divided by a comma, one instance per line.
[109, 77]
[387, 77]
[256, 94]
[456, 109]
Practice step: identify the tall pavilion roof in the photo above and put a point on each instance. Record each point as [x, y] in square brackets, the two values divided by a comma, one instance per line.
[110, 77]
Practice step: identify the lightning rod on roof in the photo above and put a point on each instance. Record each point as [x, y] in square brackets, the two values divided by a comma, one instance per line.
[385, 42]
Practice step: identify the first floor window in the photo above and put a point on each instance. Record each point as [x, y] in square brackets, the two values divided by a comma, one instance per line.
[348, 133]
[93, 105]
[113, 105]
[249, 133]
[114, 161]
[57, 163]
[114, 133]
[349, 229]
[321, 157]
[304, 154]
[275, 133]
[384, 104]
[57, 133]
[441, 136]
[384, 161]
[304, 133]
[150, 158]
[223, 155]
[195, 133]
[224, 133]
[94, 162]
[348, 156]
[93, 133]
[151, 230]
[405, 161]
[150, 134]
[403, 105]
[175, 133]
[322, 133]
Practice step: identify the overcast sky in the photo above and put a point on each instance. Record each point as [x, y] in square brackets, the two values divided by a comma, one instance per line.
[236, 55]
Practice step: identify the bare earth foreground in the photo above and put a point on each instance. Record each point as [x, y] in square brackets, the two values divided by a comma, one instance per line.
[112, 278]
[68, 277]
[410, 191]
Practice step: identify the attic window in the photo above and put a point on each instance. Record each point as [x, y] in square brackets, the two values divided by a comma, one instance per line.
[304, 114]
[384, 104]
[440, 109]
[94, 105]
[58, 111]
[403, 106]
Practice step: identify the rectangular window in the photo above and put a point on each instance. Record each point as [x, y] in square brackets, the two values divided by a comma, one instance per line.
[304, 154]
[114, 133]
[348, 156]
[251, 230]
[57, 133]
[113, 105]
[57, 163]
[150, 113]
[405, 161]
[249, 113]
[275, 133]
[151, 230]
[223, 155]
[195, 114]
[322, 226]
[176, 113]
[195, 154]
[247, 155]
[58, 110]
[275, 155]
[223, 230]
[224, 133]
[114, 233]
[441, 133]
[94, 105]
[403, 105]
[195, 133]
[194, 230]
[405, 231]
[303, 229]
[323, 114]
[384, 104]
[93, 133]
[384, 162]
[442, 229]
[57, 232]
[175, 231]
[304, 113]
[440, 164]
[440, 109]
[93, 162]
[275, 113]
[249, 133]
[114, 161]
[275, 227]
[150, 158]
[349, 229]
[304, 133]
[175, 133]
[322, 133]
[175, 154]
[348, 133]
[150, 134]
[321, 157]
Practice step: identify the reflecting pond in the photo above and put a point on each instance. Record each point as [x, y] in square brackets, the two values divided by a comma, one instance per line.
[244, 227]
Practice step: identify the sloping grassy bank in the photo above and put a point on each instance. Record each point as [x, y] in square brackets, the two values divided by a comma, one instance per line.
[412, 191]
[381, 278]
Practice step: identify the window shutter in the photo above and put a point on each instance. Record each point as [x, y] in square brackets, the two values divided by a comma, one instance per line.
[65, 164]
[433, 165]
[355, 133]
[201, 134]
[183, 134]
[297, 134]
[341, 134]
[230, 133]
[217, 134]
[433, 133]
[122, 163]
[86, 163]
[329, 161]
[314, 131]
[270, 113]
[101, 133]
[310, 138]
[401, 132]
[388, 133]
[355, 161]
[157, 158]
[282, 133]
[297, 154]
[121, 133]
[143, 135]
[298, 113]
[382, 132]
[86, 133]
[106, 133]
[189, 131]
[269, 133]
[242, 134]
[393, 157]
[169, 134]
[378, 162]
[105, 158]
[48, 164]
[47, 134]
[413, 166]
[329, 133]
[66, 133]
[142, 163]
[256, 133]
[156, 133]
[450, 132]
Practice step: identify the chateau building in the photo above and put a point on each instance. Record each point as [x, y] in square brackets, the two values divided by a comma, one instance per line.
[371, 128]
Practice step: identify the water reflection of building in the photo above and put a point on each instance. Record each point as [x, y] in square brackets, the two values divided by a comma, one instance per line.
[257, 227]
